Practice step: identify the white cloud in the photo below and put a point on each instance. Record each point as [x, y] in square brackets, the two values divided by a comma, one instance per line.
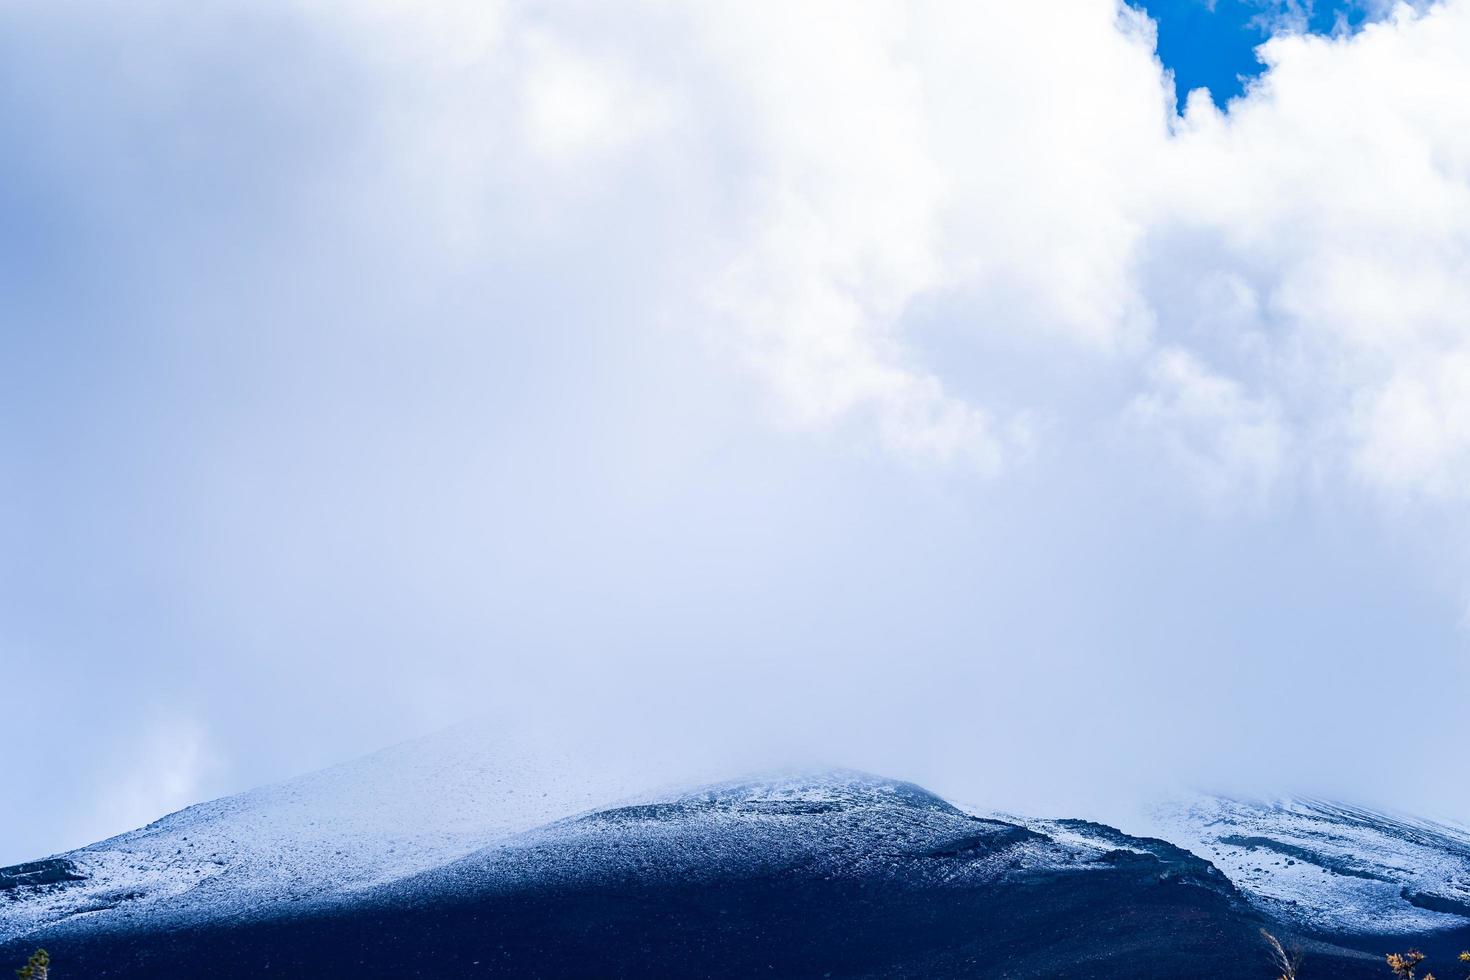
[899, 152]
[575, 105]
[1231, 446]
[1414, 431]
[451, 34]
[1338, 191]
[840, 227]
[834, 169]
[411, 311]
[1283, 15]
[805, 184]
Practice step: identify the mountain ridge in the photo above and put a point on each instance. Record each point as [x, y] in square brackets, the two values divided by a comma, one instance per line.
[459, 841]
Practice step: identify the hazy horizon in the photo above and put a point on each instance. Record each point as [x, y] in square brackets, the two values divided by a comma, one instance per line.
[922, 388]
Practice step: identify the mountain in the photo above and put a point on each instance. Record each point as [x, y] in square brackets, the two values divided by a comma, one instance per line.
[465, 855]
[379, 818]
[1329, 867]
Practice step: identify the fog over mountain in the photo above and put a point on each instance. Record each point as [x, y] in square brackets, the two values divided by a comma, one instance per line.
[915, 388]
[470, 853]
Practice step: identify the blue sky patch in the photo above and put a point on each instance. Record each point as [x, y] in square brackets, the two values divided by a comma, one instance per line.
[1211, 43]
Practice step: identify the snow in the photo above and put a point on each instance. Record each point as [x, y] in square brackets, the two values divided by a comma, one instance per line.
[382, 817]
[1324, 865]
[468, 803]
[823, 822]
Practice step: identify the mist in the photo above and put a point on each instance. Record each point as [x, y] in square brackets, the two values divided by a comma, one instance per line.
[905, 388]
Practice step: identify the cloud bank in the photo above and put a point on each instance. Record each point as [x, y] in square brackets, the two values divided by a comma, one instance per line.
[904, 380]
[834, 171]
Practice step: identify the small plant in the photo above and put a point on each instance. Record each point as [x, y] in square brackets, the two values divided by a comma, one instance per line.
[38, 967]
[1289, 962]
[1403, 965]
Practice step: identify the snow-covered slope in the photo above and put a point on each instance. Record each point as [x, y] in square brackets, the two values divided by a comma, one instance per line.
[1329, 866]
[471, 807]
[384, 816]
[793, 874]
[823, 824]
[468, 809]
[1177, 863]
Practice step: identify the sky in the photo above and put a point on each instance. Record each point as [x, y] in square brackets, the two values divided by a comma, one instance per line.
[944, 389]
[1212, 44]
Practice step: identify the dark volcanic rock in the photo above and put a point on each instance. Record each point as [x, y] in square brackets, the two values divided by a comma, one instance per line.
[1436, 903]
[1176, 864]
[37, 873]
